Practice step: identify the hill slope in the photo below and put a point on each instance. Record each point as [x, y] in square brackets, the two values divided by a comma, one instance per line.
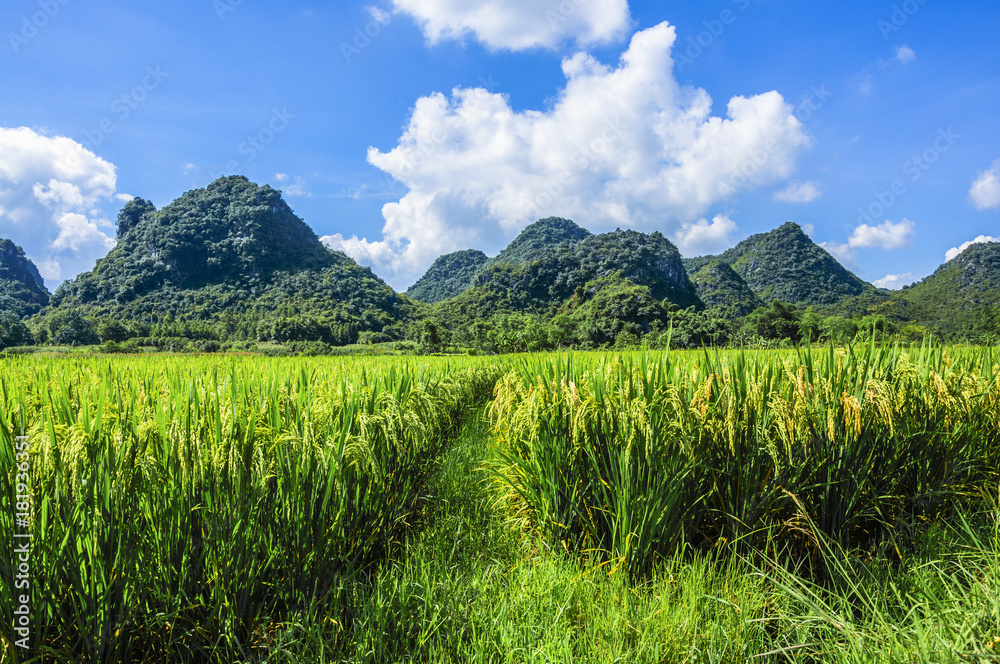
[448, 276]
[787, 265]
[22, 290]
[539, 238]
[547, 282]
[720, 288]
[455, 273]
[950, 300]
[233, 248]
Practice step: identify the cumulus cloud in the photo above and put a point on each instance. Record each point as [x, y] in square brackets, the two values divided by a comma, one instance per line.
[955, 252]
[886, 235]
[985, 191]
[298, 187]
[53, 192]
[517, 25]
[842, 252]
[621, 146]
[799, 192]
[896, 281]
[704, 237]
[905, 55]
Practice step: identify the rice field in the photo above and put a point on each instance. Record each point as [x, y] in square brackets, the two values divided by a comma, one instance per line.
[185, 506]
[812, 505]
[633, 457]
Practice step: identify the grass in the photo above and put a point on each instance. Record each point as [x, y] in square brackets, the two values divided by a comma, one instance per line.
[635, 457]
[469, 588]
[599, 509]
[183, 509]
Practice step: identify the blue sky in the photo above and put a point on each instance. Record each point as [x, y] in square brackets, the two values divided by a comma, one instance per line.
[403, 129]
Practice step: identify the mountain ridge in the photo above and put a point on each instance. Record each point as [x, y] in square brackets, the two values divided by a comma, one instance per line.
[232, 248]
[22, 289]
[785, 264]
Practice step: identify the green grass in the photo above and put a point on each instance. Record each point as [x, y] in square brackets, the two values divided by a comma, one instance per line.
[361, 510]
[183, 508]
[469, 588]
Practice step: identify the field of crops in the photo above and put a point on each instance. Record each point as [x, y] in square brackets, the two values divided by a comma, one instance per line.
[182, 505]
[824, 505]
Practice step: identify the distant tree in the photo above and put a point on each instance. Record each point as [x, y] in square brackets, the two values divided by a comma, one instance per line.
[811, 326]
[778, 322]
[986, 326]
[838, 329]
[114, 330]
[562, 331]
[13, 331]
[72, 329]
[430, 337]
[132, 214]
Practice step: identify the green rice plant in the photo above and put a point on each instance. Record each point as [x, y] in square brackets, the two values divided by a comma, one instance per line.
[940, 605]
[182, 509]
[632, 456]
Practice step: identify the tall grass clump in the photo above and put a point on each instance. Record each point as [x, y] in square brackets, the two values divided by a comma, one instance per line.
[184, 509]
[627, 458]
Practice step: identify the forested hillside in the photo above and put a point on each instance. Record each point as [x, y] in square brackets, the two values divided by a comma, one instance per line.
[455, 273]
[231, 261]
[720, 288]
[787, 265]
[448, 276]
[963, 294]
[22, 290]
[231, 266]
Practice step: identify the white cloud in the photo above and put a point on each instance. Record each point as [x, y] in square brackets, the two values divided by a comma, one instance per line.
[808, 229]
[905, 55]
[76, 231]
[361, 250]
[842, 252]
[896, 281]
[955, 252]
[886, 235]
[619, 147]
[865, 83]
[702, 237]
[985, 191]
[297, 188]
[188, 169]
[799, 192]
[517, 25]
[52, 191]
[281, 177]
